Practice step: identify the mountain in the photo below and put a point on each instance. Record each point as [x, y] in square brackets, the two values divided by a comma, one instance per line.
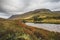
[41, 12]
[16, 30]
[28, 14]
[40, 15]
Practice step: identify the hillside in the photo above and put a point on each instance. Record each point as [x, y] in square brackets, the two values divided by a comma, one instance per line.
[39, 16]
[28, 14]
[16, 30]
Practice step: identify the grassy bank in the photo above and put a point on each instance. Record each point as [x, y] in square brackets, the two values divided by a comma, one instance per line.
[16, 30]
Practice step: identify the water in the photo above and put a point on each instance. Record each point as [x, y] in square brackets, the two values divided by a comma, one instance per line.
[50, 27]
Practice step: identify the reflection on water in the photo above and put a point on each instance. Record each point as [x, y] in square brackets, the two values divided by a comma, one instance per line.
[50, 27]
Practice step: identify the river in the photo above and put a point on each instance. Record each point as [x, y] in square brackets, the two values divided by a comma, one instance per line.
[50, 27]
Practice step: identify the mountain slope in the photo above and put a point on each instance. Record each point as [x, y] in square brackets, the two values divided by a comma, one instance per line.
[16, 30]
[42, 13]
[39, 16]
[28, 14]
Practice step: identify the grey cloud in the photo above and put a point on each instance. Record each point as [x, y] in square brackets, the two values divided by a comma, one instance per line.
[49, 4]
[53, 0]
[13, 6]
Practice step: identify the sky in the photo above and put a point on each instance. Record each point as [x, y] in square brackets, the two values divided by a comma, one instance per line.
[14, 7]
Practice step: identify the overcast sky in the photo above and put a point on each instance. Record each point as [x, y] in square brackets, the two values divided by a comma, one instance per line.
[12, 7]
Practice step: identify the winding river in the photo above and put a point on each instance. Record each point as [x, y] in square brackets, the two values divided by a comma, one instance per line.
[50, 27]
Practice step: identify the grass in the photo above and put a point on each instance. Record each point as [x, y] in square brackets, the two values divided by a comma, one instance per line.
[45, 18]
[16, 30]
